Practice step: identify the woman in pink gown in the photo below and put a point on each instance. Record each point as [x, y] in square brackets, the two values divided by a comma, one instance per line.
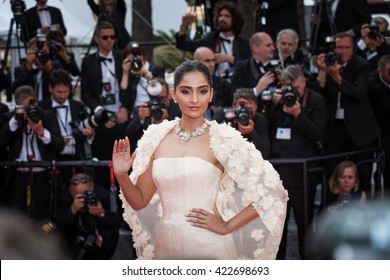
[198, 189]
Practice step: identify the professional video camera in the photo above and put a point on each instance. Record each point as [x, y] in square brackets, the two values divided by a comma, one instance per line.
[18, 7]
[42, 56]
[136, 62]
[289, 96]
[331, 58]
[241, 115]
[154, 89]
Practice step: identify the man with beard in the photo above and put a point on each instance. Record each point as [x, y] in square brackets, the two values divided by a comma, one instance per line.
[225, 41]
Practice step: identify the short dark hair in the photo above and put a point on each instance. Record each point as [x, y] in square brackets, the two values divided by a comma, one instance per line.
[24, 92]
[246, 93]
[129, 49]
[191, 66]
[103, 25]
[237, 17]
[60, 77]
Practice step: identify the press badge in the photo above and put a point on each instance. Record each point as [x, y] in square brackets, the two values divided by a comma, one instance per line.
[283, 133]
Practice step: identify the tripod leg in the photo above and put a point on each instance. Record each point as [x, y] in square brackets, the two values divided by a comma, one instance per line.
[8, 44]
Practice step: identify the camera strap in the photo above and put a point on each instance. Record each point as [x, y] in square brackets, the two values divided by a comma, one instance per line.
[30, 139]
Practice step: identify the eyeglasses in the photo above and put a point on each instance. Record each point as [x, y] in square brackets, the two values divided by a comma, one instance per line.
[78, 181]
[343, 47]
[105, 37]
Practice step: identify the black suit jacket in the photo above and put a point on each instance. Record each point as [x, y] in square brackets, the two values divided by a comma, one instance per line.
[259, 136]
[33, 22]
[14, 140]
[23, 76]
[91, 80]
[281, 14]
[350, 14]
[241, 48]
[75, 108]
[379, 94]
[359, 119]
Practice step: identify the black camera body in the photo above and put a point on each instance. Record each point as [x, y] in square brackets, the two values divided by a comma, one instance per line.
[136, 62]
[91, 198]
[374, 32]
[331, 58]
[241, 115]
[289, 96]
[155, 107]
[227, 74]
[108, 99]
[34, 113]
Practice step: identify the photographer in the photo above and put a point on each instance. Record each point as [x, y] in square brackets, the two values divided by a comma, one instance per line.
[31, 135]
[260, 71]
[36, 69]
[372, 44]
[59, 51]
[297, 122]
[85, 219]
[226, 42]
[76, 136]
[351, 124]
[100, 77]
[113, 11]
[41, 19]
[137, 72]
[244, 117]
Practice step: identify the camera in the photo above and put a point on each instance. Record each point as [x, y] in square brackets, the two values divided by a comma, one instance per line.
[289, 96]
[93, 121]
[34, 113]
[18, 7]
[136, 62]
[227, 74]
[374, 33]
[242, 115]
[91, 198]
[331, 58]
[42, 56]
[266, 95]
[19, 113]
[154, 89]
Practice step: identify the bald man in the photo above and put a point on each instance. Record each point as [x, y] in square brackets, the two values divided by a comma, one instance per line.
[254, 72]
[223, 94]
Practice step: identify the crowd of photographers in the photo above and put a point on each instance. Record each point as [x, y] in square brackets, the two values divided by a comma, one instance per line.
[267, 90]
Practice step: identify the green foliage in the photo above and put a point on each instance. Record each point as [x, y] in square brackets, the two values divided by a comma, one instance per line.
[167, 55]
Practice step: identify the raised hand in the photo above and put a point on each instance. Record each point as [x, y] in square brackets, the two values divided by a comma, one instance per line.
[121, 159]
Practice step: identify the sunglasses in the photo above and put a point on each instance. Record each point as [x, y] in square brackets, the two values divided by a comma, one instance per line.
[105, 37]
[78, 181]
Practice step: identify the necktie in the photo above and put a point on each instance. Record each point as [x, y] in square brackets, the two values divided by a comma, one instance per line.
[225, 40]
[103, 59]
[43, 9]
[60, 106]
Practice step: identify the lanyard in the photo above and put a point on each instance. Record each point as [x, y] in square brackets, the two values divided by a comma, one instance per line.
[64, 125]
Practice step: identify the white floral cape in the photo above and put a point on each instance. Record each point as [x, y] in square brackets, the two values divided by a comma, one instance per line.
[247, 179]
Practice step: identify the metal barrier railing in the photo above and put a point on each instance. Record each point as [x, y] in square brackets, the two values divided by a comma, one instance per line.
[378, 158]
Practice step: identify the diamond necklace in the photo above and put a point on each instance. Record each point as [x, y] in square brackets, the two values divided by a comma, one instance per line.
[187, 135]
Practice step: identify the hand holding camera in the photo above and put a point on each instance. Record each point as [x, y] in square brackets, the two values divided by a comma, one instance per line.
[265, 80]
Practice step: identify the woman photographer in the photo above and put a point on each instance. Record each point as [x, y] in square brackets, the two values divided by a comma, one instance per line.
[113, 11]
[137, 72]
